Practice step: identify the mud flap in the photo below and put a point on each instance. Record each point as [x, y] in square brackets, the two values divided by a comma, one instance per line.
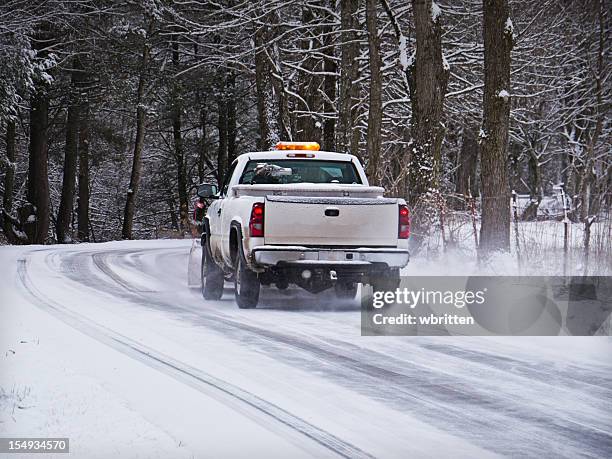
[194, 278]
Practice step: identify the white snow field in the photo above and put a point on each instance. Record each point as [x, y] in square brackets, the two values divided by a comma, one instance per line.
[106, 344]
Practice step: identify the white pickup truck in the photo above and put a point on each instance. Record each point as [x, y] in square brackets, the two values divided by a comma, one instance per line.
[300, 216]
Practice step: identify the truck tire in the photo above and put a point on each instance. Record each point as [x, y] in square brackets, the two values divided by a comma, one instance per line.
[345, 290]
[246, 285]
[282, 284]
[212, 276]
[388, 281]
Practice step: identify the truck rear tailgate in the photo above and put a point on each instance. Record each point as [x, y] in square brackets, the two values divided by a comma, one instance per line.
[331, 221]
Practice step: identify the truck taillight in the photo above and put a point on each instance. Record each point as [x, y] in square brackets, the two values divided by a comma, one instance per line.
[403, 231]
[198, 206]
[256, 223]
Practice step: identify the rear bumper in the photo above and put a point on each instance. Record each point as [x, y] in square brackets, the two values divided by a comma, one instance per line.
[271, 255]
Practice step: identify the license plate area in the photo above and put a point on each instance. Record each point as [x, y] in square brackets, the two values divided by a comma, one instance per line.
[338, 255]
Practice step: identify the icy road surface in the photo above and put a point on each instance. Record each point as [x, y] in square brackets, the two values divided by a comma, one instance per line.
[105, 344]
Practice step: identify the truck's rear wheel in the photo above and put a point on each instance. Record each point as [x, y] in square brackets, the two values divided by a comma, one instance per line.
[246, 286]
[387, 281]
[345, 290]
[212, 276]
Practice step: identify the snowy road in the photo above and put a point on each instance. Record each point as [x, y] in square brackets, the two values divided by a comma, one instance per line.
[105, 344]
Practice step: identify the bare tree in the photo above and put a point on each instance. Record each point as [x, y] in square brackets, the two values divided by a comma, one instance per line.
[349, 71]
[375, 113]
[590, 199]
[221, 130]
[64, 215]
[330, 69]
[268, 105]
[130, 203]
[177, 135]
[428, 77]
[498, 41]
[232, 117]
[83, 199]
[466, 181]
[36, 213]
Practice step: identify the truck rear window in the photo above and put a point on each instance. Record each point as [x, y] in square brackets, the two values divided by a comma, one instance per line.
[282, 171]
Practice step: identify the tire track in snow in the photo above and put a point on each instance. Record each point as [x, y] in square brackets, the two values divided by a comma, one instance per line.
[474, 414]
[197, 378]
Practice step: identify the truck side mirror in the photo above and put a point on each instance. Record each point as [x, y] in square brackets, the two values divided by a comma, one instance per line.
[207, 190]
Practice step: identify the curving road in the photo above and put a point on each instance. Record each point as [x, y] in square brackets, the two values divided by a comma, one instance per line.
[298, 366]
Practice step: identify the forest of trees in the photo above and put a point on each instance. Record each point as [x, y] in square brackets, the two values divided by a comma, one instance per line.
[110, 111]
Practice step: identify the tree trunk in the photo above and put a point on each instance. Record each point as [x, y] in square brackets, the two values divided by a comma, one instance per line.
[203, 156]
[130, 203]
[349, 70]
[179, 155]
[11, 157]
[329, 86]
[201, 104]
[535, 186]
[35, 215]
[64, 215]
[174, 222]
[468, 162]
[427, 79]
[308, 85]
[8, 221]
[590, 200]
[397, 179]
[267, 101]
[278, 84]
[83, 201]
[589, 205]
[375, 114]
[222, 129]
[495, 228]
[232, 130]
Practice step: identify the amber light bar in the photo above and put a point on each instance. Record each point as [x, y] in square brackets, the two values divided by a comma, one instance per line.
[312, 146]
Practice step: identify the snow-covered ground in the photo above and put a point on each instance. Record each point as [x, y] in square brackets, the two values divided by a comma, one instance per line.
[537, 249]
[106, 344]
